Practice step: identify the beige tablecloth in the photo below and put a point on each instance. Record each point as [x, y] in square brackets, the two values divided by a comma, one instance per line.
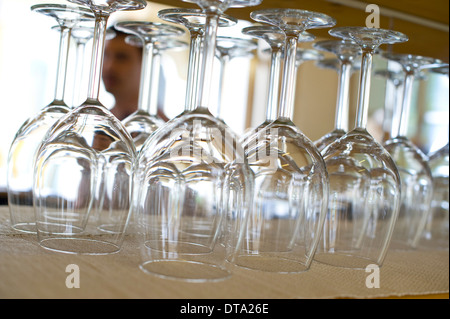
[29, 271]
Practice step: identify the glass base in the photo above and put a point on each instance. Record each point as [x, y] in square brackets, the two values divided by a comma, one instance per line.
[112, 228]
[29, 228]
[166, 247]
[185, 270]
[80, 246]
[345, 260]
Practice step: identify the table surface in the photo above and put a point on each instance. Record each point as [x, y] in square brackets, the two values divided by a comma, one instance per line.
[29, 271]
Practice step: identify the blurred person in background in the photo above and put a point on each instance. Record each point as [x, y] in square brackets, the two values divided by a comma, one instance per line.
[122, 73]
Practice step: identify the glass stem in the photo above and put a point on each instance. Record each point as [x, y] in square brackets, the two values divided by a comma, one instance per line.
[401, 110]
[154, 84]
[224, 59]
[298, 62]
[95, 74]
[341, 118]
[63, 54]
[193, 68]
[274, 84]
[393, 93]
[78, 92]
[146, 77]
[288, 87]
[209, 47]
[364, 89]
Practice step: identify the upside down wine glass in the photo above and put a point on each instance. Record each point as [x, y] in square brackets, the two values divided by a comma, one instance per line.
[90, 148]
[364, 181]
[142, 123]
[346, 52]
[291, 183]
[193, 184]
[412, 163]
[32, 131]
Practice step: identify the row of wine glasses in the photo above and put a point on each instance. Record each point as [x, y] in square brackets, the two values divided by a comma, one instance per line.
[202, 198]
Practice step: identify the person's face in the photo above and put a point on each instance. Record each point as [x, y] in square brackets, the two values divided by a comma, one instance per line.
[121, 67]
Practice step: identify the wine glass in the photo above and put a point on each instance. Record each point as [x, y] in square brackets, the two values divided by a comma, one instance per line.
[192, 183]
[194, 20]
[346, 52]
[364, 197]
[32, 131]
[90, 148]
[142, 123]
[228, 48]
[412, 163]
[291, 183]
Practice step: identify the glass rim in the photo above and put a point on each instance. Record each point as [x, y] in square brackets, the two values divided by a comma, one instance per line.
[59, 6]
[128, 6]
[85, 13]
[183, 16]
[420, 61]
[337, 46]
[273, 35]
[160, 44]
[147, 28]
[385, 36]
[231, 3]
[263, 28]
[321, 20]
[443, 69]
